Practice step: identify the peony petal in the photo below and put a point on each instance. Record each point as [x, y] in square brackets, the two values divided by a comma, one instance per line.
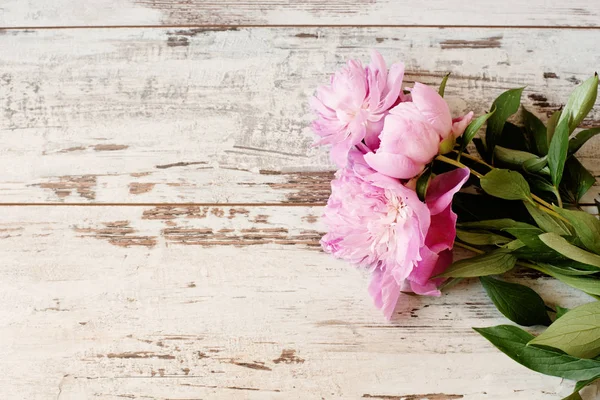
[372, 136]
[339, 153]
[385, 292]
[379, 70]
[424, 268]
[433, 107]
[394, 165]
[460, 124]
[442, 230]
[317, 106]
[443, 187]
[393, 87]
[430, 288]
[412, 138]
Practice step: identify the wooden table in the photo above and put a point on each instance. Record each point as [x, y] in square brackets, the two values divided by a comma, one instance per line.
[159, 223]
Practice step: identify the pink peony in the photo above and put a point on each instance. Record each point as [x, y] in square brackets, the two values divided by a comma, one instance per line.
[352, 107]
[414, 132]
[376, 222]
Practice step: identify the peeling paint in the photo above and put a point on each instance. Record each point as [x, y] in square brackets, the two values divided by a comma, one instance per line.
[288, 356]
[486, 43]
[139, 354]
[64, 186]
[109, 147]
[139, 188]
[304, 187]
[118, 233]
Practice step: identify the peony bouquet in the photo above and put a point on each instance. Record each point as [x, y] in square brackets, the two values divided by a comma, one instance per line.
[410, 188]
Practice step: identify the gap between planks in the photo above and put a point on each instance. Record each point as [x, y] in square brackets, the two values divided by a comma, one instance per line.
[279, 26]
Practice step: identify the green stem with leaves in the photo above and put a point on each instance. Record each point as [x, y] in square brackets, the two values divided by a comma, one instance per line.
[542, 204]
[467, 247]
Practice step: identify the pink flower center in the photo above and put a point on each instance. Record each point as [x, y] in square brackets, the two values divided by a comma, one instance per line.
[398, 211]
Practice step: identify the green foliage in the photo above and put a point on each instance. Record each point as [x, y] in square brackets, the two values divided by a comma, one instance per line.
[570, 251]
[580, 103]
[472, 130]
[505, 105]
[513, 341]
[581, 138]
[442, 88]
[506, 184]
[495, 262]
[557, 153]
[423, 183]
[586, 226]
[537, 132]
[577, 332]
[516, 302]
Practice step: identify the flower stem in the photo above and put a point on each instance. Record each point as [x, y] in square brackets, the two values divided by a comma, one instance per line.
[472, 158]
[458, 164]
[529, 265]
[467, 247]
[545, 206]
[542, 201]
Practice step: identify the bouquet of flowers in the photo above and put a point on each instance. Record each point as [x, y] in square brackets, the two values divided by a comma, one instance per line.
[410, 188]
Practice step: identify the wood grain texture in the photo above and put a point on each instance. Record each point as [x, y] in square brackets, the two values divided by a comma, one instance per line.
[221, 116]
[102, 303]
[34, 13]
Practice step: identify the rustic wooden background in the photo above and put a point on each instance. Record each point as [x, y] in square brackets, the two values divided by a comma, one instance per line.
[160, 201]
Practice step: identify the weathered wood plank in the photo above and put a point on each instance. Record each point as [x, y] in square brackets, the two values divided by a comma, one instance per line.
[196, 115]
[308, 12]
[143, 302]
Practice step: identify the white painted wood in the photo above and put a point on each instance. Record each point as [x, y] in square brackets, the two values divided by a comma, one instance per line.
[90, 312]
[193, 115]
[33, 13]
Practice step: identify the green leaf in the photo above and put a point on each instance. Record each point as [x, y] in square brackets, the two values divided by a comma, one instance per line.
[560, 268]
[557, 153]
[577, 180]
[516, 302]
[505, 105]
[497, 224]
[537, 131]
[492, 263]
[541, 184]
[588, 285]
[551, 126]
[577, 333]
[472, 130]
[506, 184]
[442, 88]
[546, 221]
[573, 396]
[514, 246]
[565, 248]
[423, 184]
[560, 311]
[481, 148]
[587, 227]
[580, 138]
[513, 137]
[514, 158]
[581, 384]
[512, 341]
[482, 238]
[535, 249]
[535, 165]
[580, 103]
[481, 207]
